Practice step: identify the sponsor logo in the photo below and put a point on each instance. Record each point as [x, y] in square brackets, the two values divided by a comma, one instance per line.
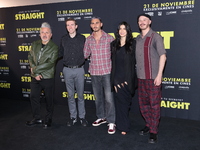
[33, 35]
[20, 36]
[184, 88]
[169, 87]
[160, 13]
[171, 12]
[23, 67]
[87, 17]
[25, 95]
[61, 19]
[186, 11]
[150, 13]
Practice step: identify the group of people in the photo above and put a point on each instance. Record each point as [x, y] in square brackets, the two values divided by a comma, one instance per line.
[117, 67]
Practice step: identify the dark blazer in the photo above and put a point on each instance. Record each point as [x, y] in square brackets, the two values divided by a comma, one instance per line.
[130, 68]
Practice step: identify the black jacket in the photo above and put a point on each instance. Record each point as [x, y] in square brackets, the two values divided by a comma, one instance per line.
[130, 68]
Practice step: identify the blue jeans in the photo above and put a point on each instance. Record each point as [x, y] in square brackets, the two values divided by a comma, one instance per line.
[105, 107]
[74, 79]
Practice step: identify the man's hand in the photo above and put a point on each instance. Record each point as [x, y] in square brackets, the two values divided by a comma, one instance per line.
[31, 70]
[39, 77]
[157, 81]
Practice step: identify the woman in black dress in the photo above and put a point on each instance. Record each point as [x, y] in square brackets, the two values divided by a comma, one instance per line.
[123, 74]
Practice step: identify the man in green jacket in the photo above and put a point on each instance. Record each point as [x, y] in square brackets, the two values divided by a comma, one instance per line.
[42, 59]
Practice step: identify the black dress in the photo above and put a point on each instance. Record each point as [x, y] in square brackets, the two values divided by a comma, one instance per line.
[119, 76]
[123, 96]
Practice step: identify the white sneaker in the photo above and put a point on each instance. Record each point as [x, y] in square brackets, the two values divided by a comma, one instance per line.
[111, 128]
[99, 122]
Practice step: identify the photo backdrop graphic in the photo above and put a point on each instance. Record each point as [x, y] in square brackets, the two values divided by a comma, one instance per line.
[176, 21]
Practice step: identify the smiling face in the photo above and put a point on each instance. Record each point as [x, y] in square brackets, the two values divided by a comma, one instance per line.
[122, 31]
[45, 34]
[71, 26]
[144, 22]
[96, 25]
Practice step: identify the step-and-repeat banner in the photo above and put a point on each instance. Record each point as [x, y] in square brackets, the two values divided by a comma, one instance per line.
[175, 20]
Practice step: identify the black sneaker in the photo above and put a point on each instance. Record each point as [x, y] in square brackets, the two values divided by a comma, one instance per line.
[144, 131]
[71, 122]
[83, 122]
[34, 122]
[152, 138]
[47, 123]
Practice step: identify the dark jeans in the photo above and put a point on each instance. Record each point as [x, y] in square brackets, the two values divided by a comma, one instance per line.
[105, 107]
[36, 86]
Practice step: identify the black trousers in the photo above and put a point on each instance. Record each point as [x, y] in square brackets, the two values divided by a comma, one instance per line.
[36, 87]
[123, 101]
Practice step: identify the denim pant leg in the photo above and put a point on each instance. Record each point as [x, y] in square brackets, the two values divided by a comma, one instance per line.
[109, 100]
[69, 81]
[99, 98]
[104, 97]
[79, 84]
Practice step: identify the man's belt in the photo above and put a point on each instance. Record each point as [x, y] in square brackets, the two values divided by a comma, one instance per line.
[73, 67]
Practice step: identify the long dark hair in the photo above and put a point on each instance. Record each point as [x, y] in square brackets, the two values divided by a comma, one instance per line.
[129, 38]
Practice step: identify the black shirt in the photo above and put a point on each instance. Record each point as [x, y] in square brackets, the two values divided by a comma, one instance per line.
[71, 49]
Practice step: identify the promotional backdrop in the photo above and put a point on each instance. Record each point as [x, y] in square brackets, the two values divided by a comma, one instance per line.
[176, 21]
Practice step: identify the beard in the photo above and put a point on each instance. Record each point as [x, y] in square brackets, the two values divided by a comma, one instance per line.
[96, 29]
[144, 26]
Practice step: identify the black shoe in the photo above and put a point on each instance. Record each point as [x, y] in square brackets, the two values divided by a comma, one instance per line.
[71, 122]
[83, 122]
[34, 122]
[144, 131]
[47, 124]
[152, 138]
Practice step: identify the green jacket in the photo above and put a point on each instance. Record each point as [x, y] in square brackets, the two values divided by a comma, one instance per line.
[46, 65]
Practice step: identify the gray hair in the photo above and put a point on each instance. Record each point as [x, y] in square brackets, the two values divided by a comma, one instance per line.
[45, 25]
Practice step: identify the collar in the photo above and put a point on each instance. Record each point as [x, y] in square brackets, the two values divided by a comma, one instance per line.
[148, 34]
[73, 37]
